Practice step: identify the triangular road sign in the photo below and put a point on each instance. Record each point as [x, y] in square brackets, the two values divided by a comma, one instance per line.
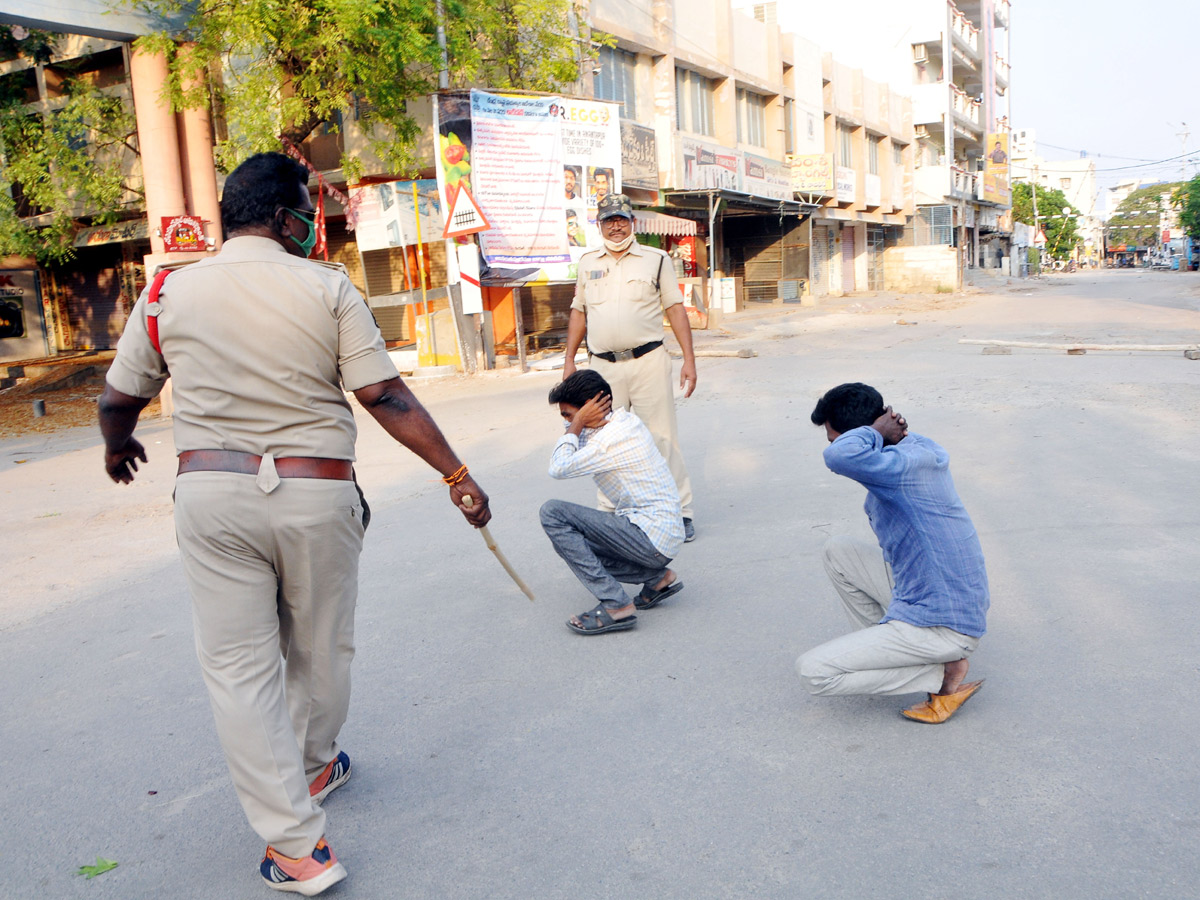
[463, 215]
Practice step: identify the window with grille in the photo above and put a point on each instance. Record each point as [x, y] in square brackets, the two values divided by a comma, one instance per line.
[898, 156]
[751, 118]
[933, 225]
[693, 102]
[616, 79]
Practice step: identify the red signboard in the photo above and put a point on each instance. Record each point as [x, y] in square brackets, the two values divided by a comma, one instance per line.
[183, 234]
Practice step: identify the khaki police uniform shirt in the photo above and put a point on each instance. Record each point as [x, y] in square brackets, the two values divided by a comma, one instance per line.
[256, 342]
[624, 298]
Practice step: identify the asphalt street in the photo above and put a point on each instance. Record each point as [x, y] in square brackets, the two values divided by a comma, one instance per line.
[498, 755]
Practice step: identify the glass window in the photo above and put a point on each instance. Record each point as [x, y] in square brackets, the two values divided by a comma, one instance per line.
[789, 125]
[693, 102]
[898, 156]
[616, 79]
[751, 118]
[873, 154]
[845, 147]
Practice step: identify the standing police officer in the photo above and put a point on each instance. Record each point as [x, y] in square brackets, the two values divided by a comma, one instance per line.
[621, 293]
[261, 344]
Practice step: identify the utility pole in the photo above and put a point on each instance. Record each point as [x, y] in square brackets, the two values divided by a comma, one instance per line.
[1037, 225]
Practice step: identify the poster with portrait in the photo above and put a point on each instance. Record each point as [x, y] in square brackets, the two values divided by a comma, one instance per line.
[996, 187]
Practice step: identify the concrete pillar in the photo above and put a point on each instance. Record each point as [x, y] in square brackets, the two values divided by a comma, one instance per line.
[158, 140]
[199, 169]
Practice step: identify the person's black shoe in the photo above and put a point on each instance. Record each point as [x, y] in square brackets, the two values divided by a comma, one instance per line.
[689, 531]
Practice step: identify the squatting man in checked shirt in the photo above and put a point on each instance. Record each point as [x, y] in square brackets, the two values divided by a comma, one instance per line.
[919, 597]
[635, 543]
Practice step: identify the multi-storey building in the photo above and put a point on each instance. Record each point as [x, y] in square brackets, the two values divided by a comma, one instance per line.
[953, 58]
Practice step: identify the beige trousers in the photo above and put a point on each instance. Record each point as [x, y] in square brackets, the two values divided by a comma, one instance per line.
[644, 387]
[274, 579]
[892, 658]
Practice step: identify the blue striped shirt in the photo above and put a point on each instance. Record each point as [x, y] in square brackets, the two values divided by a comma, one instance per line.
[632, 473]
[924, 530]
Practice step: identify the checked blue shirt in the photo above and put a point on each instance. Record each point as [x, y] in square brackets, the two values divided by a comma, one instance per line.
[922, 526]
[632, 473]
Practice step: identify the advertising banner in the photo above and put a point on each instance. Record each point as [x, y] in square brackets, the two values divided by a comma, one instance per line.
[639, 157]
[386, 216]
[812, 173]
[536, 167]
[995, 169]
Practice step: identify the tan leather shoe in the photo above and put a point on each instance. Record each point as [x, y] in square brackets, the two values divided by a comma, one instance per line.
[940, 707]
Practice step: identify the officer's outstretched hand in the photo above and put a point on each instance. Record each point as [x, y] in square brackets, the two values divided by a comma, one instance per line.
[123, 463]
[478, 513]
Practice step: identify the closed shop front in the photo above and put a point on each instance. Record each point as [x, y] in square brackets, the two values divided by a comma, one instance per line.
[95, 291]
[822, 257]
[876, 240]
[848, 251]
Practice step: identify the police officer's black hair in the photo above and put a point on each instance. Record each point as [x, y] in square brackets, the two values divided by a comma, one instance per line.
[258, 187]
[579, 388]
[848, 406]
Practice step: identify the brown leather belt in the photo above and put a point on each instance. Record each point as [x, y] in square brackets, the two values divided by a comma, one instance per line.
[248, 463]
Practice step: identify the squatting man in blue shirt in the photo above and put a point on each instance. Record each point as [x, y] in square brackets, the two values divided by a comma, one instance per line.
[919, 598]
[635, 543]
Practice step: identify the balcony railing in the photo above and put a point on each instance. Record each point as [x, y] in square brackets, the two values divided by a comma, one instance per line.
[1002, 10]
[964, 183]
[963, 28]
[964, 106]
[1002, 68]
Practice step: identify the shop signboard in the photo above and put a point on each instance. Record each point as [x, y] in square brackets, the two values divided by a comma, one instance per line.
[813, 173]
[764, 177]
[872, 190]
[846, 188]
[709, 166]
[639, 157]
[118, 232]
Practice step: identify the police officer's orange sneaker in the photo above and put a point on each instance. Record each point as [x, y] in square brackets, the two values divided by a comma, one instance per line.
[332, 777]
[309, 875]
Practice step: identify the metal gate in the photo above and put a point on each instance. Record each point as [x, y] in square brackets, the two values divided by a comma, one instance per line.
[875, 245]
[822, 253]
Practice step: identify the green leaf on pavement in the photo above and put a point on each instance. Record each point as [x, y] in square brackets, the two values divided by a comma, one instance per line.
[102, 865]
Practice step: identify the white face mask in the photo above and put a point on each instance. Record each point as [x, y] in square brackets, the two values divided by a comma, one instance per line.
[619, 246]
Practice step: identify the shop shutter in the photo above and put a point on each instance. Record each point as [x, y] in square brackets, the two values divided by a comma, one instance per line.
[821, 254]
[90, 292]
[848, 258]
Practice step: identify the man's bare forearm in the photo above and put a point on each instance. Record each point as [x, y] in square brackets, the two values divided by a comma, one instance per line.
[401, 414]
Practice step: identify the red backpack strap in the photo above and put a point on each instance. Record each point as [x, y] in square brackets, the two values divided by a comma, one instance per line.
[152, 314]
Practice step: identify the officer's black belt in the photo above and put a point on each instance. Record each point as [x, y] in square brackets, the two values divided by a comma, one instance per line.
[622, 355]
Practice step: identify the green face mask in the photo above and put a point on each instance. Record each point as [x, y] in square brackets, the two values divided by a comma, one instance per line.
[309, 242]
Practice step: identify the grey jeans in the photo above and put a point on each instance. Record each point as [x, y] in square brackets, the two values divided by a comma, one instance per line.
[603, 549]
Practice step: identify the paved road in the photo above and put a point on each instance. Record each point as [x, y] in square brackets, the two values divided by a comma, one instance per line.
[497, 755]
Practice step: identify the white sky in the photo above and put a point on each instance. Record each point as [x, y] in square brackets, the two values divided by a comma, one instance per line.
[1116, 79]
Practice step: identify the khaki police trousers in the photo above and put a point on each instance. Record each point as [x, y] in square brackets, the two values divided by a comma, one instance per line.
[274, 580]
[892, 658]
[644, 387]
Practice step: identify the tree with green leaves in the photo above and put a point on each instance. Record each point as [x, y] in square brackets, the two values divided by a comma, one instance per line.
[1138, 218]
[74, 162]
[271, 69]
[1062, 230]
[1186, 199]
